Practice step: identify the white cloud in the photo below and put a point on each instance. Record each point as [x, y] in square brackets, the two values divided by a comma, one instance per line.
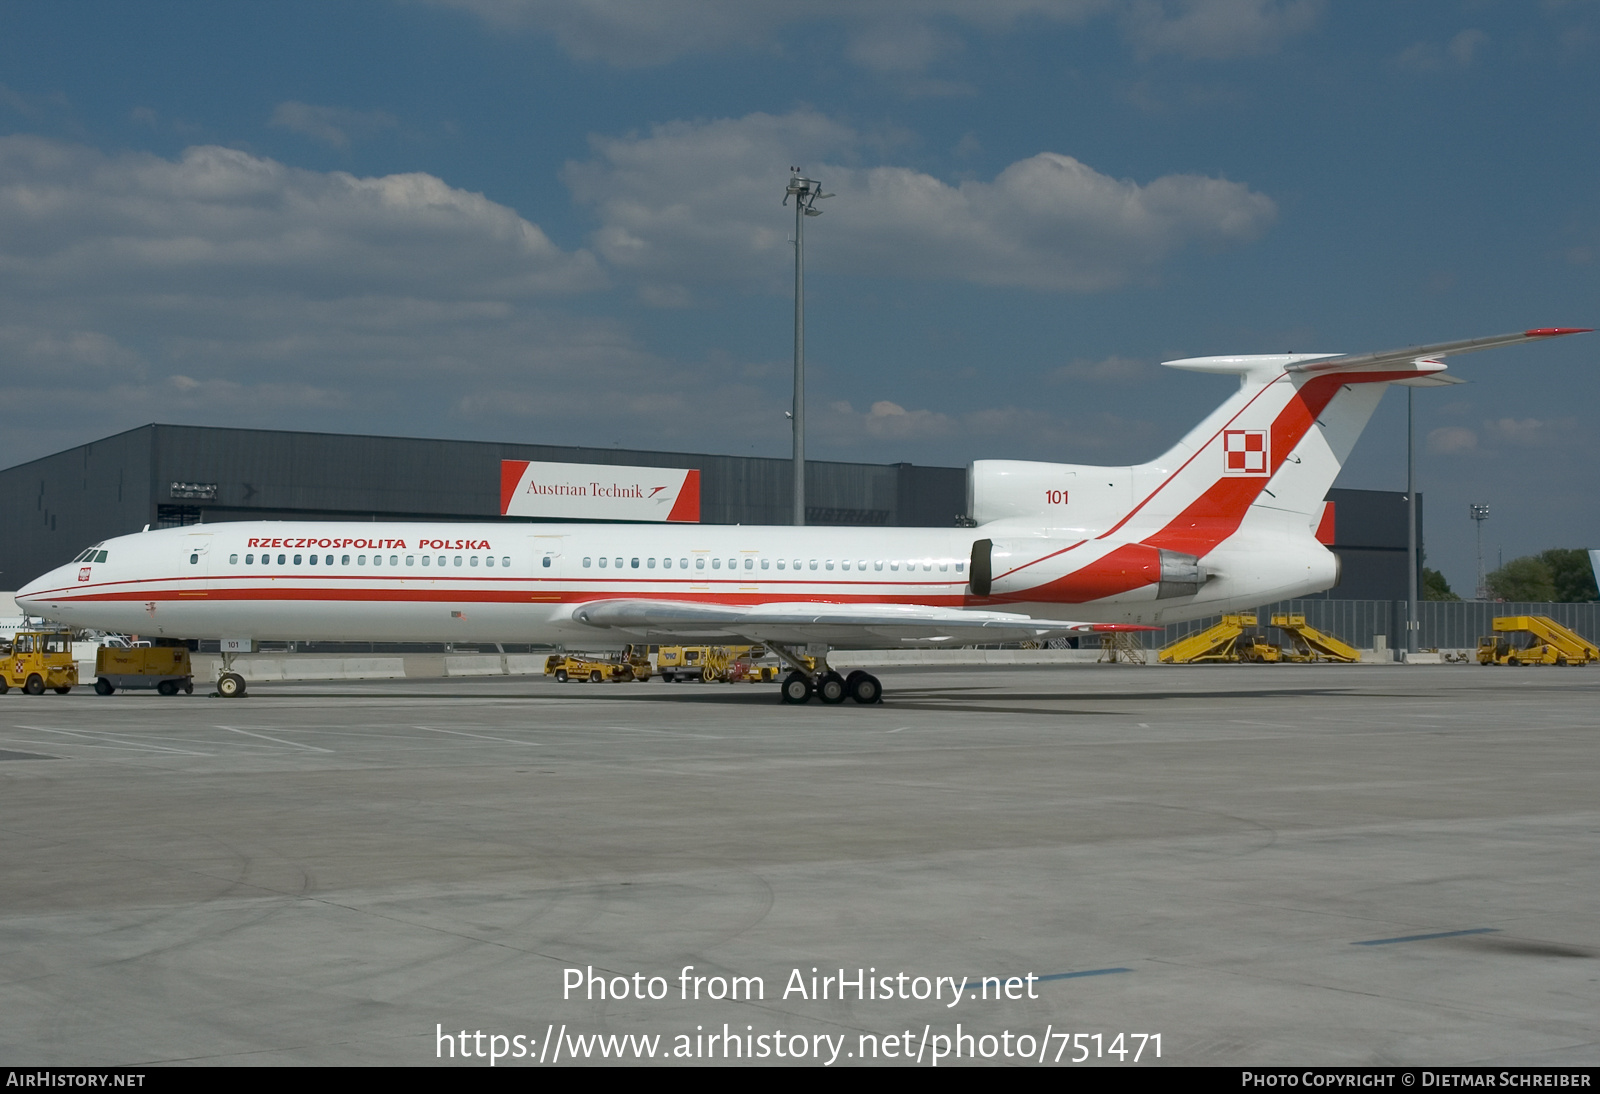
[220, 221]
[1217, 30]
[331, 125]
[629, 34]
[696, 202]
[1109, 370]
[888, 36]
[1452, 441]
[1459, 52]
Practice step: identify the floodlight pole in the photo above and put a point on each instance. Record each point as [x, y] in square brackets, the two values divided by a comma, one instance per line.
[1480, 513]
[1413, 624]
[805, 193]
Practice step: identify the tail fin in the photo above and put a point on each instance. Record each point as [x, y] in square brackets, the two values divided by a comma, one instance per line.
[1277, 445]
[1273, 449]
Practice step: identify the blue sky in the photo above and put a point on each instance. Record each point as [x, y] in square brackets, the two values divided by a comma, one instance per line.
[560, 222]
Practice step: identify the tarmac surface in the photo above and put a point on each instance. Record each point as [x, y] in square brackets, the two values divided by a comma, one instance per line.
[1295, 865]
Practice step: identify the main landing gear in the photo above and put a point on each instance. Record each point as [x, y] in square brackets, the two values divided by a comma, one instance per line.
[826, 684]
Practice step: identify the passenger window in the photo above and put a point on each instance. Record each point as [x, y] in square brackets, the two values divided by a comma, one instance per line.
[585, 564]
[505, 560]
[813, 564]
[344, 560]
[650, 564]
[312, 559]
[766, 563]
[280, 560]
[944, 566]
[780, 564]
[489, 561]
[425, 559]
[546, 562]
[193, 559]
[249, 560]
[394, 560]
[666, 564]
[845, 565]
[233, 560]
[683, 564]
[894, 564]
[700, 563]
[474, 560]
[960, 566]
[361, 560]
[602, 563]
[716, 564]
[878, 565]
[635, 564]
[733, 564]
[458, 560]
[927, 564]
[411, 560]
[619, 564]
[749, 564]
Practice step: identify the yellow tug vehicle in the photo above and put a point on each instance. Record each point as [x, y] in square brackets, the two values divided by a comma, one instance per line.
[36, 660]
[597, 670]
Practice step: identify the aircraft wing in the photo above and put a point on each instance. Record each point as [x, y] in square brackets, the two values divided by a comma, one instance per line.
[1413, 356]
[858, 626]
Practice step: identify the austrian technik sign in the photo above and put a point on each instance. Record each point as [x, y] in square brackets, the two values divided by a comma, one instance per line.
[584, 491]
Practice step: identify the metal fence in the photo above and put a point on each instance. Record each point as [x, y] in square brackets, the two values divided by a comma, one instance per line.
[1445, 624]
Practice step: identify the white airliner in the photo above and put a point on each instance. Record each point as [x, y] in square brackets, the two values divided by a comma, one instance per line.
[1226, 519]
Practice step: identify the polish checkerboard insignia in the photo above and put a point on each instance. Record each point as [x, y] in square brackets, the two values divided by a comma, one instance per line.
[1244, 452]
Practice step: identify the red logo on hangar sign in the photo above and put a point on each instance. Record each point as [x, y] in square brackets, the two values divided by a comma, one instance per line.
[1244, 452]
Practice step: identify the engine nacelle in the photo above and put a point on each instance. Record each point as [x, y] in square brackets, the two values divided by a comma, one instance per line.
[1050, 571]
[1056, 495]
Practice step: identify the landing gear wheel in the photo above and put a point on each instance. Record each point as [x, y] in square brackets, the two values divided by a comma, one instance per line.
[561, 676]
[796, 688]
[864, 688]
[103, 686]
[230, 685]
[167, 687]
[830, 689]
[34, 686]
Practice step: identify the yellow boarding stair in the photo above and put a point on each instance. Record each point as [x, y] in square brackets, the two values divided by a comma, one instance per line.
[1550, 644]
[1224, 641]
[1311, 644]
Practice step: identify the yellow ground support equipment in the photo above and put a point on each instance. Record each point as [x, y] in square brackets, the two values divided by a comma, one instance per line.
[36, 660]
[1227, 640]
[727, 664]
[1311, 644]
[1549, 643]
[593, 670]
[164, 668]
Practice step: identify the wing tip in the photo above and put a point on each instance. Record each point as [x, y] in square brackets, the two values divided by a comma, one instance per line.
[1555, 332]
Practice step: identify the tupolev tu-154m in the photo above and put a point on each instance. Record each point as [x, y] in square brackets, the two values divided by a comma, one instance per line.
[1225, 519]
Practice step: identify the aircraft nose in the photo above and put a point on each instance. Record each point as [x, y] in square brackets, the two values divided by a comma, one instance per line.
[30, 598]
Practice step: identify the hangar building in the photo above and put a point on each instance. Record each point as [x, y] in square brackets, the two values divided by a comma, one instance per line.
[170, 475]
